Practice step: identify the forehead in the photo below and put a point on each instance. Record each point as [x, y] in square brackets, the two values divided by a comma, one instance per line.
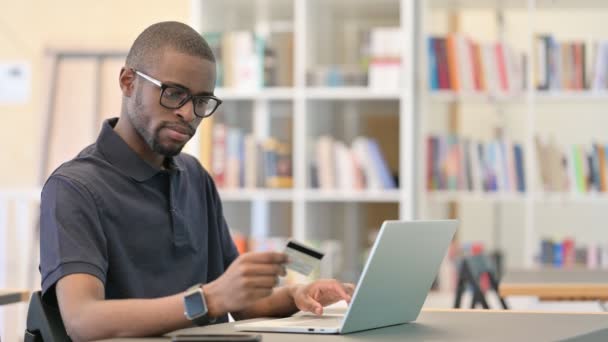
[193, 72]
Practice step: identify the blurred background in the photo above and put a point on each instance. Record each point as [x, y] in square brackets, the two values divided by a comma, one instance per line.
[338, 115]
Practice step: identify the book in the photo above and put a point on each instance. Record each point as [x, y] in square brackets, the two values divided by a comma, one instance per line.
[380, 166]
[324, 162]
[219, 162]
[433, 64]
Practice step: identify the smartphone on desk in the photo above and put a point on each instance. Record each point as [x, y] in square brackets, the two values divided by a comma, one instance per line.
[216, 338]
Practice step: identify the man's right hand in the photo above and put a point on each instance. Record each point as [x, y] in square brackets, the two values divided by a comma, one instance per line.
[250, 277]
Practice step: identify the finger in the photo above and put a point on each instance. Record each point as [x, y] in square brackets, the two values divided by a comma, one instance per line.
[349, 287]
[341, 291]
[309, 304]
[264, 269]
[264, 282]
[265, 257]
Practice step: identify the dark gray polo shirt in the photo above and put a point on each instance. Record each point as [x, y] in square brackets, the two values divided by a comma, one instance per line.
[143, 231]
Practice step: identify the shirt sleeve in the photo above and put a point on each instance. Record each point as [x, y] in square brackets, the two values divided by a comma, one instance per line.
[71, 236]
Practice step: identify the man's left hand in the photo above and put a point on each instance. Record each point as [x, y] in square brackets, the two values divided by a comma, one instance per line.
[314, 296]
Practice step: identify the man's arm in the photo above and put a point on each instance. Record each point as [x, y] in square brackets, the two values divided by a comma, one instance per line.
[245, 289]
[279, 304]
[285, 301]
[88, 316]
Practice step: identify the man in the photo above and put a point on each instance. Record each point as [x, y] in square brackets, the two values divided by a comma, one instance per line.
[131, 223]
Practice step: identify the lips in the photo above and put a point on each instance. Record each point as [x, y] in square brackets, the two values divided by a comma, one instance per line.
[179, 132]
[180, 129]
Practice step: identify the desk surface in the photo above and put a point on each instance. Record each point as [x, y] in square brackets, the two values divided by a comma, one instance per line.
[13, 296]
[556, 284]
[450, 325]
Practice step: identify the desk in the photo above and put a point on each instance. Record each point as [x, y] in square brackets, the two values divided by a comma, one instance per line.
[13, 296]
[450, 325]
[556, 284]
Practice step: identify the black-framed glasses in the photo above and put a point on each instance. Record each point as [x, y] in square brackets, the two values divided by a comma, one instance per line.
[174, 97]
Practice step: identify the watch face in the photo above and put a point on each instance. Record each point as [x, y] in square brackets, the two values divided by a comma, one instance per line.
[195, 306]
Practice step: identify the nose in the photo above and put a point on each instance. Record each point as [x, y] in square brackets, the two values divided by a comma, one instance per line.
[186, 112]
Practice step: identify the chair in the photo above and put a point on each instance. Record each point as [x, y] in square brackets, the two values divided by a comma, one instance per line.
[471, 269]
[44, 323]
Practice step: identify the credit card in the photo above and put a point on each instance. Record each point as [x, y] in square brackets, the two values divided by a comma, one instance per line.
[302, 259]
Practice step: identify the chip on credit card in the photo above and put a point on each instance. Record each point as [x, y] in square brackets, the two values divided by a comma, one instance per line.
[302, 259]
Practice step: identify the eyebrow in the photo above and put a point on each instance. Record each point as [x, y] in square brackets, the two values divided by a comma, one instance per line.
[177, 85]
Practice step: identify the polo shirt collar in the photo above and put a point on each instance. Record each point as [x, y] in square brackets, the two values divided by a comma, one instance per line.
[119, 154]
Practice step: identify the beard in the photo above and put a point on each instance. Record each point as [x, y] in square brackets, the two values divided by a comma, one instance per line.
[157, 147]
[152, 139]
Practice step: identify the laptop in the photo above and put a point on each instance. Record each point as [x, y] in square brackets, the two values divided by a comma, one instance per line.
[396, 278]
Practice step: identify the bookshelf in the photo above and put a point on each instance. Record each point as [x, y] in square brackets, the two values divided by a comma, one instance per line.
[332, 94]
[516, 222]
[329, 94]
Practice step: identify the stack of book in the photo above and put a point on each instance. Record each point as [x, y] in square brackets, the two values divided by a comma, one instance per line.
[247, 61]
[384, 67]
[239, 160]
[570, 65]
[457, 63]
[375, 62]
[567, 254]
[360, 166]
[456, 163]
[575, 168]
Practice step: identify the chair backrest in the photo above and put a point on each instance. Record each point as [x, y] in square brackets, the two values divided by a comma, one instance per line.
[44, 322]
[469, 275]
[480, 264]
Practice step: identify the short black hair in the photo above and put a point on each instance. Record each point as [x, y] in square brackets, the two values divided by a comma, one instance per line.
[148, 46]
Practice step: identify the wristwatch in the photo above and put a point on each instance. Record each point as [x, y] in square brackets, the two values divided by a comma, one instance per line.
[195, 306]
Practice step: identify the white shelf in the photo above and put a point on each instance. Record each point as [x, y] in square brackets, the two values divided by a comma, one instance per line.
[274, 195]
[386, 196]
[243, 195]
[518, 4]
[313, 93]
[540, 197]
[351, 93]
[449, 196]
[566, 197]
[539, 96]
[572, 95]
[256, 94]
[476, 4]
[451, 96]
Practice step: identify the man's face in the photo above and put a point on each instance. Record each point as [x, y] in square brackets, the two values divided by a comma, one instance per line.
[166, 131]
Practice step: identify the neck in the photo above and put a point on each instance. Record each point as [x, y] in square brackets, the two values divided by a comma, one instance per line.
[127, 132]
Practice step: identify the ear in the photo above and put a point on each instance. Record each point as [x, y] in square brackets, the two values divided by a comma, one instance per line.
[126, 79]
